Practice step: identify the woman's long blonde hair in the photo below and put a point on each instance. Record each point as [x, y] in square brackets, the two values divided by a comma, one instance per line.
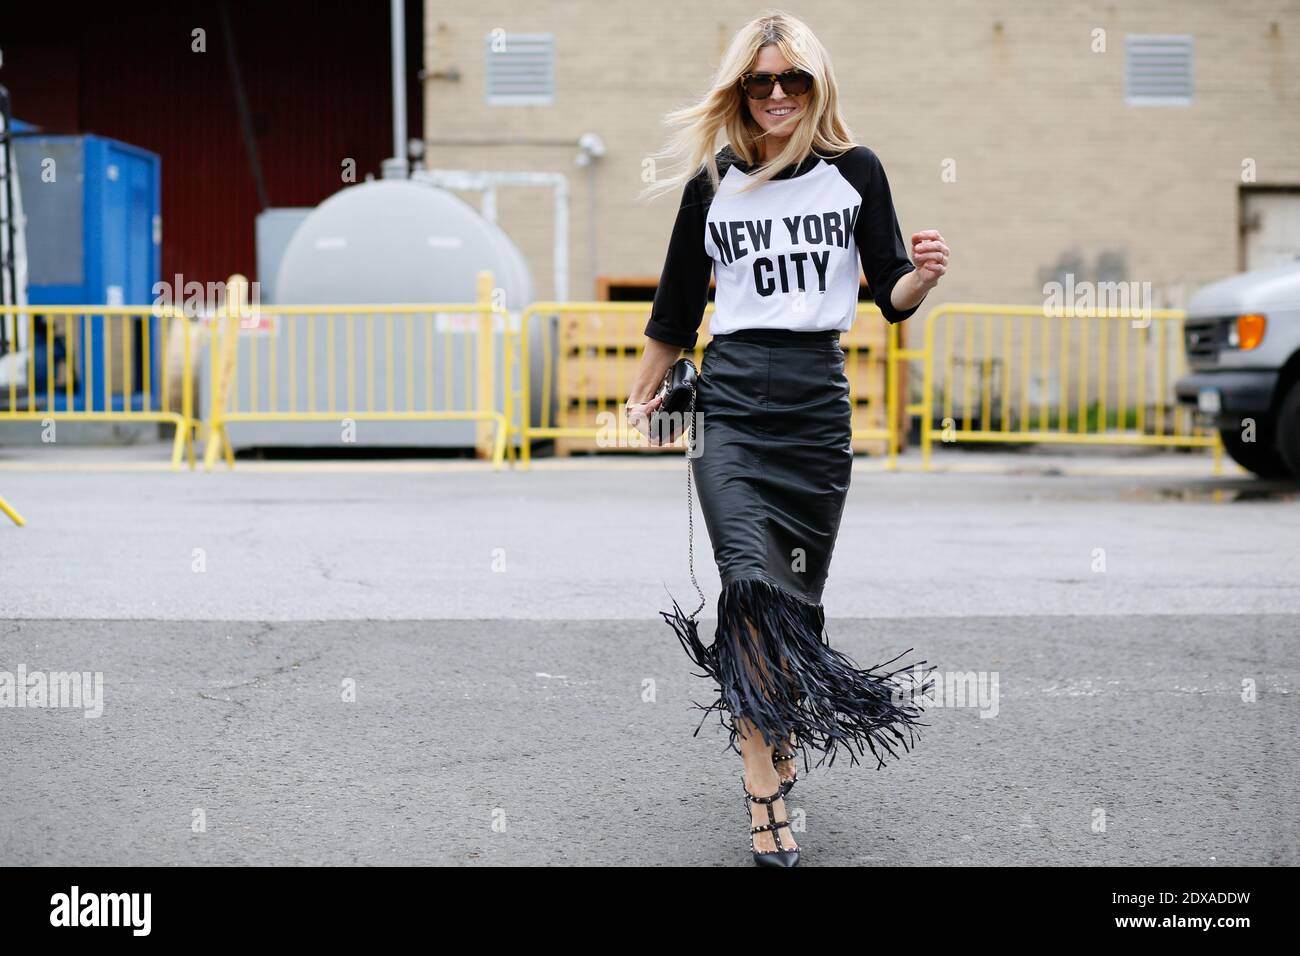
[723, 108]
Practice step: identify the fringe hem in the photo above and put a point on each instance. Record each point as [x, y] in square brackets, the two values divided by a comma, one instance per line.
[791, 681]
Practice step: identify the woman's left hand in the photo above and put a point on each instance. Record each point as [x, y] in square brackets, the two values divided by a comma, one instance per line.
[929, 255]
[638, 416]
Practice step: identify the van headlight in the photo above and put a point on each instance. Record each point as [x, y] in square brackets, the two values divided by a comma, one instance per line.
[1246, 331]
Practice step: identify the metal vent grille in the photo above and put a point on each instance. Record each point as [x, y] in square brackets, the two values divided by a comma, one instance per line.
[520, 69]
[1158, 70]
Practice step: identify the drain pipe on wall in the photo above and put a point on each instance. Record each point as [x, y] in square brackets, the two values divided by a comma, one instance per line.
[486, 183]
[591, 148]
[396, 166]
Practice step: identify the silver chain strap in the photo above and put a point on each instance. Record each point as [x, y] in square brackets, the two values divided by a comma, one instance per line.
[690, 507]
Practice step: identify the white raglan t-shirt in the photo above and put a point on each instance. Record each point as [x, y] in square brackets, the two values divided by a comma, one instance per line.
[785, 255]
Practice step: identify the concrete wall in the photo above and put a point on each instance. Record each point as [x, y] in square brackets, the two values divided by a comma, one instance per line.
[1053, 171]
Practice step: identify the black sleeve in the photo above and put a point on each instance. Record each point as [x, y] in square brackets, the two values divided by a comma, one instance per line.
[683, 292]
[880, 240]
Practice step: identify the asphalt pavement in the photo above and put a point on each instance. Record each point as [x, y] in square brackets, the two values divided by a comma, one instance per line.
[435, 663]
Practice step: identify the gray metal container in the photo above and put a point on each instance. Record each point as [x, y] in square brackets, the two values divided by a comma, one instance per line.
[385, 242]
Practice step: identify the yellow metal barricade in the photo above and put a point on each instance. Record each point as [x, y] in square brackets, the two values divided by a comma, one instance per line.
[121, 364]
[876, 380]
[266, 361]
[9, 511]
[590, 351]
[1023, 374]
[988, 373]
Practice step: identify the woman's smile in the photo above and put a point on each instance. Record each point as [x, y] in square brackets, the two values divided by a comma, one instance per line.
[778, 114]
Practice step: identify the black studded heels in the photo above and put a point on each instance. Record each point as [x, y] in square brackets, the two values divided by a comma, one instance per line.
[781, 856]
[778, 758]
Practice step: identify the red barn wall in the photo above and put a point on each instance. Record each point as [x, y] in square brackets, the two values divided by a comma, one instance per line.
[316, 77]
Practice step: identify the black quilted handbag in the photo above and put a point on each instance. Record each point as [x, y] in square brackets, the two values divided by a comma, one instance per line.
[678, 393]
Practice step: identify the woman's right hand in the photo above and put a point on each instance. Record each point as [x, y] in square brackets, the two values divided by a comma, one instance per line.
[638, 415]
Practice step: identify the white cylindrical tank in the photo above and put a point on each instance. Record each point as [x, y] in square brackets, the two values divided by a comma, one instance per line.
[390, 242]
[398, 241]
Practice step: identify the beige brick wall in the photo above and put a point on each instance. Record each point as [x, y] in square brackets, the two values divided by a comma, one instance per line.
[1051, 164]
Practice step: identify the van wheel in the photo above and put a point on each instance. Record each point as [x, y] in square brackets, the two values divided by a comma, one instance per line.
[1259, 456]
[1287, 436]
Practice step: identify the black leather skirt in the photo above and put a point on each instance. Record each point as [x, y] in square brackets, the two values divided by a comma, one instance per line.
[772, 462]
[773, 455]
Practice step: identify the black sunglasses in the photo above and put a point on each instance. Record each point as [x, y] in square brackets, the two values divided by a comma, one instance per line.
[759, 86]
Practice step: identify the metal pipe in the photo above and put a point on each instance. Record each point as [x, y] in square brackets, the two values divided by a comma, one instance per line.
[397, 166]
[242, 110]
[486, 182]
[8, 247]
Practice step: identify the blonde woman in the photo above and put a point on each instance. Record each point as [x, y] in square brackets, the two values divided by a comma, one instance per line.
[783, 216]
